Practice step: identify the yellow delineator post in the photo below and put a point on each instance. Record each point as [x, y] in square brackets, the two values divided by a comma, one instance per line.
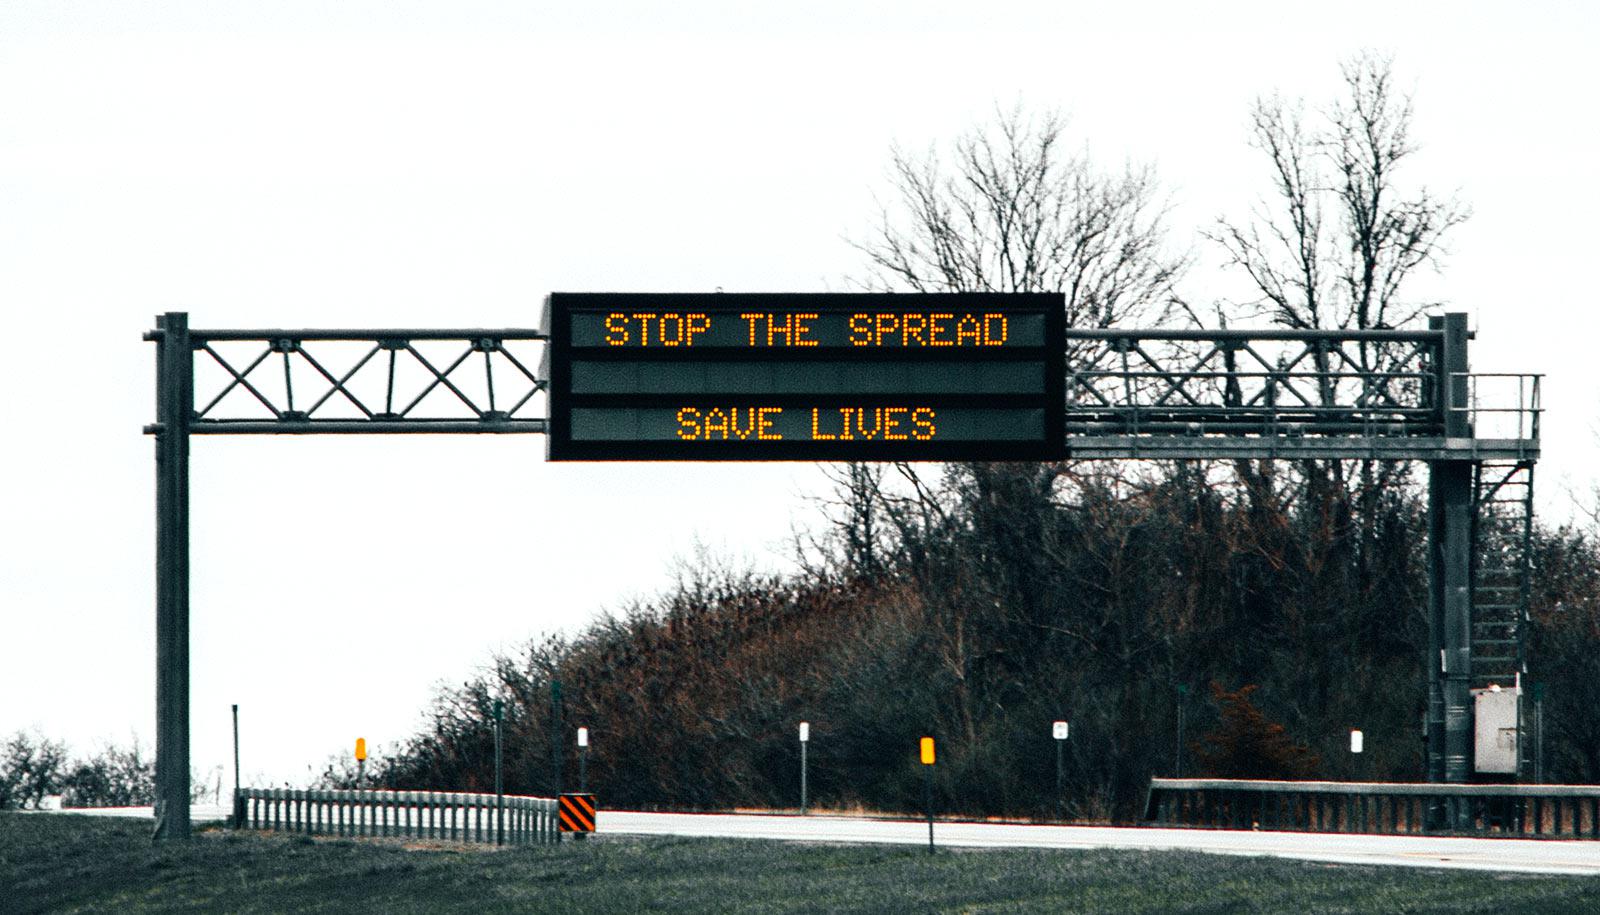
[361, 763]
[927, 786]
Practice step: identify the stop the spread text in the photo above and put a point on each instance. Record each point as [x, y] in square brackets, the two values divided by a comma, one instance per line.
[803, 329]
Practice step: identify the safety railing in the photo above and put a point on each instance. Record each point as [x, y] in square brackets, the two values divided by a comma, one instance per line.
[402, 814]
[1565, 811]
[1503, 405]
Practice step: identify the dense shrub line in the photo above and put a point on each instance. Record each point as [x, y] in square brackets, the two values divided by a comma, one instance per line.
[33, 767]
[983, 604]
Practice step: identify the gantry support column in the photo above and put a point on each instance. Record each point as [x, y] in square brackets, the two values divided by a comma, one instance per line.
[1450, 571]
[174, 404]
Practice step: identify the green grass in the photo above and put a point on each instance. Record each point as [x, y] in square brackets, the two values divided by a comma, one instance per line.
[71, 863]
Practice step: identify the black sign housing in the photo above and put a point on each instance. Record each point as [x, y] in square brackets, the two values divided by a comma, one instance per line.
[805, 376]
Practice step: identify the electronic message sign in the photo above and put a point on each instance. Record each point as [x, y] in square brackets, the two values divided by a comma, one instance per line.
[814, 376]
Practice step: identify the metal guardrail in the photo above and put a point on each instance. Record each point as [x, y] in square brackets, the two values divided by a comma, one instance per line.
[1404, 808]
[407, 814]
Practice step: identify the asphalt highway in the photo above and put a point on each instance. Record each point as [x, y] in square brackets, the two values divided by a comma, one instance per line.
[1544, 856]
[1540, 856]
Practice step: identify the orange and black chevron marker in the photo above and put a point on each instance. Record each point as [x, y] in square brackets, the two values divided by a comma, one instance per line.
[577, 813]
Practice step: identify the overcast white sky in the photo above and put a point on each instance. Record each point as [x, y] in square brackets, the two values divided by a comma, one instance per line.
[448, 164]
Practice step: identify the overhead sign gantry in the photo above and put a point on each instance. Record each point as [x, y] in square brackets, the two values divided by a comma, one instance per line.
[890, 377]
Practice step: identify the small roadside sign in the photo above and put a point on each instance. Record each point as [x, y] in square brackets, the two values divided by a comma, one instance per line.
[1059, 730]
[927, 751]
[577, 813]
[361, 749]
[805, 731]
[583, 737]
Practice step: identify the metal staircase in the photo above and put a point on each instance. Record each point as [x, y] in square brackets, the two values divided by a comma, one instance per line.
[1502, 530]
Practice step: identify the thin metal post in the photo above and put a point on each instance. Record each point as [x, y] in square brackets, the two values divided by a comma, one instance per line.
[174, 404]
[803, 798]
[237, 815]
[499, 785]
[1060, 781]
[927, 801]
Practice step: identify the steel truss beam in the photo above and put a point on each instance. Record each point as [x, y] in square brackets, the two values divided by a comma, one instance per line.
[1131, 394]
[1229, 394]
[276, 382]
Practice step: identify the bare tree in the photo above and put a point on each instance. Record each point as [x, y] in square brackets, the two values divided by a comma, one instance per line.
[853, 542]
[1014, 210]
[1337, 244]
[1339, 238]
[1009, 206]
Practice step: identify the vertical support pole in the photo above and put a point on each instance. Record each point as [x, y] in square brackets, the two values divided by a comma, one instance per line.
[174, 403]
[1433, 662]
[1450, 513]
[238, 815]
[1450, 570]
[499, 792]
[499, 784]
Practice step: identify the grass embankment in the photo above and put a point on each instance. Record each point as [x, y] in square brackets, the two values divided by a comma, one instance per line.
[69, 863]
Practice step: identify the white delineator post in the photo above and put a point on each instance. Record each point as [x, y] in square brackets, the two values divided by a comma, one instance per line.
[805, 738]
[1058, 730]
